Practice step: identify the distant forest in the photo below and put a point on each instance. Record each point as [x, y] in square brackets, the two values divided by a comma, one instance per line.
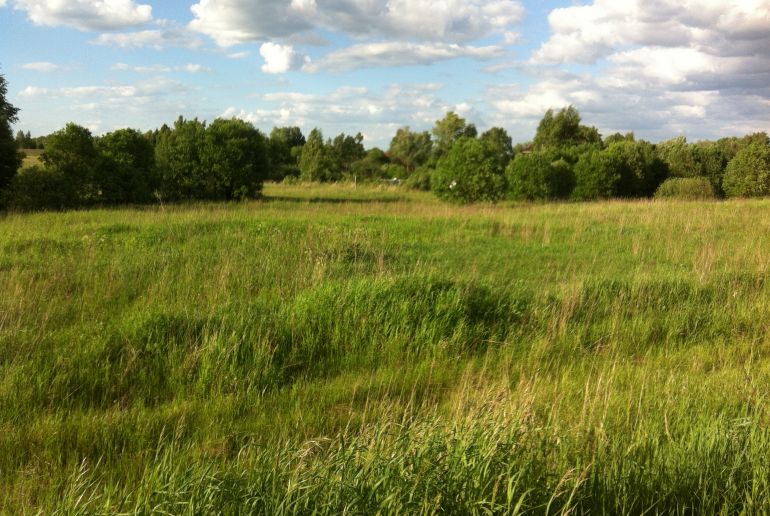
[231, 159]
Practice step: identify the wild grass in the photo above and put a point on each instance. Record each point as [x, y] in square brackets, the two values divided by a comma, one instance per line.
[332, 349]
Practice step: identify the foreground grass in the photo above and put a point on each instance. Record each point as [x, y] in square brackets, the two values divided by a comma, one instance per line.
[331, 350]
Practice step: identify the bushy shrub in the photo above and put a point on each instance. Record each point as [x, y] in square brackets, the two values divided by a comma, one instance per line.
[469, 172]
[687, 188]
[420, 179]
[540, 175]
[38, 188]
[596, 176]
[748, 173]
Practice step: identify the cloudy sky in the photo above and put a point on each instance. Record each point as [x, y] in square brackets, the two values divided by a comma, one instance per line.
[658, 68]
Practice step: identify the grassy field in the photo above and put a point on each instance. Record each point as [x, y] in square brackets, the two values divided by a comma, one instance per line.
[335, 350]
[31, 157]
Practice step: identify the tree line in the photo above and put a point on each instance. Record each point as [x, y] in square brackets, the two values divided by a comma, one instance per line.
[229, 159]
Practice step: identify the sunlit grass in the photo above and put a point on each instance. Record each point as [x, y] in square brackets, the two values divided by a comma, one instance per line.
[332, 349]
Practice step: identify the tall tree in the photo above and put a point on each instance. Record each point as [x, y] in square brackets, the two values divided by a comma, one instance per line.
[410, 149]
[10, 159]
[71, 151]
[450, 129]
[284, 146]
[315, 162]
[563, 129]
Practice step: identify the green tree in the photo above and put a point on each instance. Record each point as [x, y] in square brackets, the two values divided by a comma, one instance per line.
[72, 152]
[500, 144]
[748, 173]
[540, 175]
[127, 171]
[315, 161]
[371, 165]
[179, 160]
[469, 172]
[597, 175]
[345, 150]
[564, 129]
[679, 157]
[448, 130]
[284, 146]
[10, 159]
[235, 160]
[410, 149]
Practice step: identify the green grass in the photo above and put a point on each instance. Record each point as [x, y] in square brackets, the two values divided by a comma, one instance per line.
[332, 350]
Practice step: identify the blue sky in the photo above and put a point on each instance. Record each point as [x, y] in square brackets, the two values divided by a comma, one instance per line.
[661, 69]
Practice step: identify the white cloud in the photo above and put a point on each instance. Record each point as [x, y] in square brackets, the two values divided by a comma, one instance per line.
[351, 109]
[41, 66]
[280, 58]
[34, 91]
[153, 38]
[86, 15]
[2, 3]
[235, 21]
[189, 68]
[238, 55]
[396, 53]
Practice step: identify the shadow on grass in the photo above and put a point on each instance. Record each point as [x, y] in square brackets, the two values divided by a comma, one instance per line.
[332, 200]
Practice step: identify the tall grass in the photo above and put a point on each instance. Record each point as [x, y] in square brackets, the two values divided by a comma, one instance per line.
[340, 350]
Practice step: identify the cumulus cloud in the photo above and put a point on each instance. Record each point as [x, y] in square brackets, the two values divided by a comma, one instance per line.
[351, 109]
[41, 66]
[367, 55]
[280, 58]
[230, 22]
[86, 15]
[693, 66]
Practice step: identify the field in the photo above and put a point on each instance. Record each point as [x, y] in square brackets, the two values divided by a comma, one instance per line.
[31, 157]
[336, 350]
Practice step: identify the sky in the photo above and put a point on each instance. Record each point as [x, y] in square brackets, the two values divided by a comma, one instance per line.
[659, 68]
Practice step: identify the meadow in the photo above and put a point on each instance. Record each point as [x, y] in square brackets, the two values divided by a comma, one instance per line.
[340, 350]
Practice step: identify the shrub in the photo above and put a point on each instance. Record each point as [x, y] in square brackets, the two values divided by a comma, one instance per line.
[38, 188]
[540, 175]
[748, 173]
[469, 172]
[687, 188]
[420, 179]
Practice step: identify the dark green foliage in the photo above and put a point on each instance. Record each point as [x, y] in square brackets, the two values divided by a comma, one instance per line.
[564, 129]
[227, 160]
[370, 166]
[38, 188]
[626, 168]
[686, 188]
[448, 130]
[712, 160]
[10, 159]
[499, 143]
[285, 144]
[469, 172]
[179, 160]
[597, 176]
[345, 150]
[72, 152]
[234, 159]
[748, 173]
[410, 149]
[420, 178]
[540, 175]
[127, 171]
